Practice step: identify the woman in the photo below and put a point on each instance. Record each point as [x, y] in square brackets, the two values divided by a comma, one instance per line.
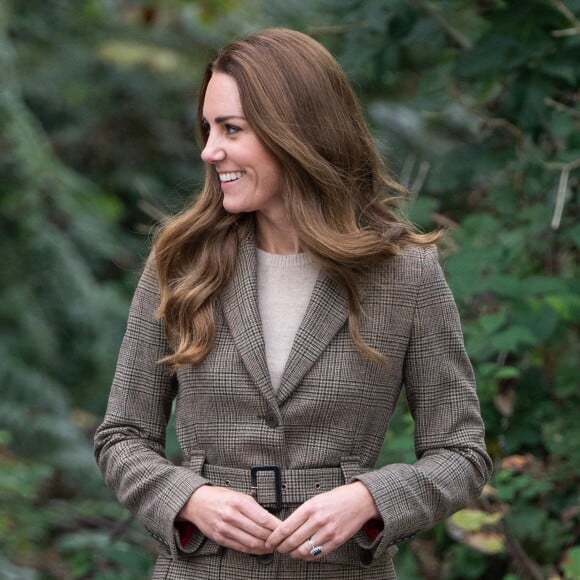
[283, 311]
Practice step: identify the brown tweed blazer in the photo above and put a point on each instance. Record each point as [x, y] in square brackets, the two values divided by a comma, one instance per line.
[329, 417]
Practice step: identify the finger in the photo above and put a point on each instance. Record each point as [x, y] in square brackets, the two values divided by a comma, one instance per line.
[298, 539]
[240, 535]
[246, 543]
[247, 547]
[286, 528]
[260, 529]
[267, 521]
[241, 521]
[304, 551]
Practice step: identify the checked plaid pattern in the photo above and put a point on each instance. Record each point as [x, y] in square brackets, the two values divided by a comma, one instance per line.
[333, 406]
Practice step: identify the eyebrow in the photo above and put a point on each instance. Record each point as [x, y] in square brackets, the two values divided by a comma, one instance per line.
[226, 118]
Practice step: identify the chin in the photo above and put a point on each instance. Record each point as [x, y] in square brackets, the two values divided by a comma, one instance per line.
[232, 208]
[236, 205]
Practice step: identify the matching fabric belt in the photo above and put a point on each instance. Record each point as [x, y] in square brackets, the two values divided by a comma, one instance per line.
[273, 487]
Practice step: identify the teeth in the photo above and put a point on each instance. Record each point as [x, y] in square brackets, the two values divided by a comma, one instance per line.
[231, 176]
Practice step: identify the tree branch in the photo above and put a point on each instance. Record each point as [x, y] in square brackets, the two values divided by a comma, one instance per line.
[565, 169]
[456, 35]
[568, 14]
[570, 17]
[567, 31]
[550, 102]
[492, 122]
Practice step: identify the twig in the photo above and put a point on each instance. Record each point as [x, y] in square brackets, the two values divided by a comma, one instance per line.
[337, 29]
[444, 221]
[523, 562]
[560, 199]
[567, 31]
[504, 123]
[420, 178]
[150, 210]
[565, 169]
[550, 102]
[407, 169]
[563, 165]
[456, 35]
[489, 121]
[568, 14]
[570, 17]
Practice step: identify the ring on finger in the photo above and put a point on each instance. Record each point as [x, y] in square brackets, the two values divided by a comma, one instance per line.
[314, 550]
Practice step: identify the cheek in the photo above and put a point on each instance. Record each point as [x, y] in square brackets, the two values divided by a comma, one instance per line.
[272, 174]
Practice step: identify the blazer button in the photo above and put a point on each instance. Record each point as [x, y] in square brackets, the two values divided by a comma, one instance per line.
[265, 559]
[366, 556]
[271, 420]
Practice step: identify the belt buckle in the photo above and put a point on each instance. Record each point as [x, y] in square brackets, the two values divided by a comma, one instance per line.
[277, 482]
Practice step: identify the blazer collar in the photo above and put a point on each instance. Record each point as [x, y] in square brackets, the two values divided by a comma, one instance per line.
[327, 312]
[240, 307]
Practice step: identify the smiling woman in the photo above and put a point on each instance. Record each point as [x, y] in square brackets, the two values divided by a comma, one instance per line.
[284, 311]
[250, 176]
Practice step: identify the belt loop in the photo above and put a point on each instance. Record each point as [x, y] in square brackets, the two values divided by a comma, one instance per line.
[195, 460]
[350, 467]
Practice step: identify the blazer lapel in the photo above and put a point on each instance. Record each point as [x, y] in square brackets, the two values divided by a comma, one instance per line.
[326, 314]
[239, 301]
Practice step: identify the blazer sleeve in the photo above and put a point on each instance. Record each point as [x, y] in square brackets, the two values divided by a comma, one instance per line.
[452, 463]
[130, 442]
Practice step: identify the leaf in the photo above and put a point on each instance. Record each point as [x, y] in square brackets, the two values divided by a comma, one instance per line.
[571, 563]
[561, 71]
[516, 462]
[493, 53]
[492, 322]
[420, 211]
[83, 540]
[508, 373]
[131, 54]
[470, 527]
[512, 338]
[575, 234]
[533, 107]
[473, 520]
[505, 402]
[22, 480]
[567, 306]
[486, 542]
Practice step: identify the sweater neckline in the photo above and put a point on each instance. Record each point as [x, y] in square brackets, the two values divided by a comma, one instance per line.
[286, 260]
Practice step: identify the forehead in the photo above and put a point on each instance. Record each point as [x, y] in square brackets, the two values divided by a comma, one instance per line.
[222, 96]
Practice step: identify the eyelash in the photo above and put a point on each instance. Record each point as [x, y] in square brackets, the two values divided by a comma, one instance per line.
[230, 129]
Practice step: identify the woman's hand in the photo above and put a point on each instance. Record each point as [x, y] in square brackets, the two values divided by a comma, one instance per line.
[231, 519]
[328, 519]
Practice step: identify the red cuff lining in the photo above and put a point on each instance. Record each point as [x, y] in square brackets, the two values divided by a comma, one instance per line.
[185, 531]
[372, 528]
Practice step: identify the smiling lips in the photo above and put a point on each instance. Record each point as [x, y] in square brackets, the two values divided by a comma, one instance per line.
[230, 176]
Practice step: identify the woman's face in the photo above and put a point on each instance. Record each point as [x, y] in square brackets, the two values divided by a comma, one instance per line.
[249, 174]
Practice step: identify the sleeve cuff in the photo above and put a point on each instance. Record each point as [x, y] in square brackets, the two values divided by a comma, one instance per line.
[373, 528]
[185, 531]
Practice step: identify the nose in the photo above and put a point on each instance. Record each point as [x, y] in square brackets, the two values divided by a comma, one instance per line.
[213, 151]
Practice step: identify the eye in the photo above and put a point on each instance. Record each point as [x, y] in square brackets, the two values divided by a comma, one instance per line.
[232, 129]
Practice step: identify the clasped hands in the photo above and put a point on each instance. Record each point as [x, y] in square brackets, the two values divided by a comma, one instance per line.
[237, 521]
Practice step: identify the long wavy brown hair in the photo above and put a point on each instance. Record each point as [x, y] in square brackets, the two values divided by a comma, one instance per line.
[338, 193]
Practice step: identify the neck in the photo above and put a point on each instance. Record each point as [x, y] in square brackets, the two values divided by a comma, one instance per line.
[276, 237]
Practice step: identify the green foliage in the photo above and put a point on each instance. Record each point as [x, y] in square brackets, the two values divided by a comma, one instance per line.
[476, 107]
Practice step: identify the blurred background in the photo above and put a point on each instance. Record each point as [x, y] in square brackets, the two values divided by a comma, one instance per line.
[475, 105]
